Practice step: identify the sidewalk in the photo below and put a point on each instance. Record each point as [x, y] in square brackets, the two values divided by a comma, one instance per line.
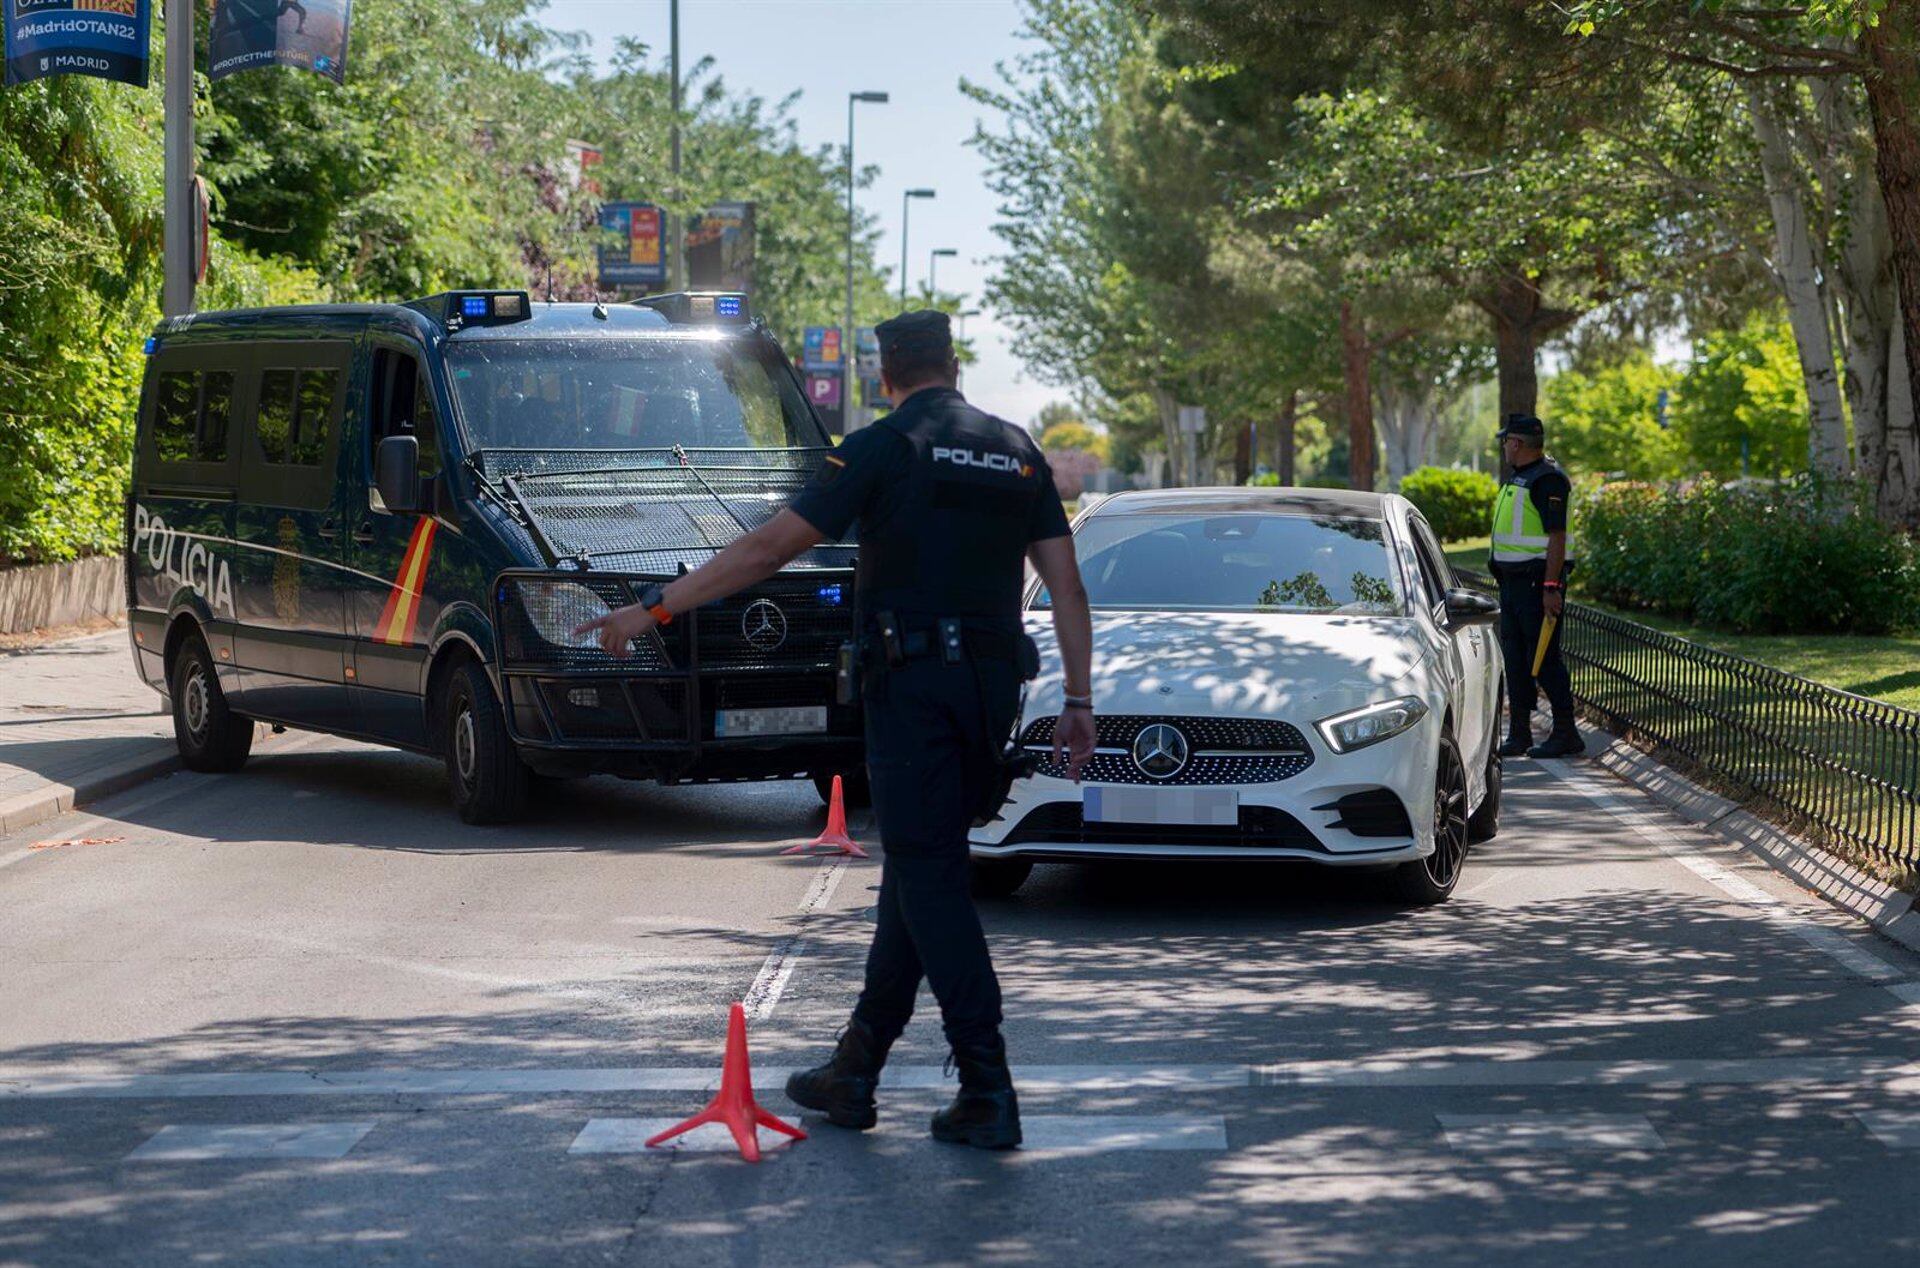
[76, 724]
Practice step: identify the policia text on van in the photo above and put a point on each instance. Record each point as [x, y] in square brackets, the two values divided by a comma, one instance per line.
[384, 521]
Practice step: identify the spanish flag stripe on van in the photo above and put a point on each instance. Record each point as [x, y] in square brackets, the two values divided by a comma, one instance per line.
[397, 619]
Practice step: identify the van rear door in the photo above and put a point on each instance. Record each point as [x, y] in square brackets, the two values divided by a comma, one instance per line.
[289, 552]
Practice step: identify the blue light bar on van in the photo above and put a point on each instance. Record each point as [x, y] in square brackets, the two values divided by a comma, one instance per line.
[456, 309]
[700, 308]
[151, 346]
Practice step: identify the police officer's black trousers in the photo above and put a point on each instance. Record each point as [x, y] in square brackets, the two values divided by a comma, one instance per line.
[1522, 612]
[930, 756]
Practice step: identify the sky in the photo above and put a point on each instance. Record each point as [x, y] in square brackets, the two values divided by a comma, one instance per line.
[916, 51]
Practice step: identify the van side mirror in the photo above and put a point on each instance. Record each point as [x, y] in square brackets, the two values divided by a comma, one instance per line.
[396, 473]
[1470, 607]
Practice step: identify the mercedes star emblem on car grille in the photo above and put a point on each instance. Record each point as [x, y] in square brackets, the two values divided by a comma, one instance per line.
[763, 625]
[1160, 751]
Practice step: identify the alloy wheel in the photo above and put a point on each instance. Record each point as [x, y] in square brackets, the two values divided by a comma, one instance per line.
[464, 744]
[1449, 822]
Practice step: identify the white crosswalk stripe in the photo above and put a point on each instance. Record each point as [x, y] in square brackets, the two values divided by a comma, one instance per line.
[201, 1142]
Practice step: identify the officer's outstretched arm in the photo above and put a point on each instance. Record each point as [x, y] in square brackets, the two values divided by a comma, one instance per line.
[1059, 571]
[754, 557]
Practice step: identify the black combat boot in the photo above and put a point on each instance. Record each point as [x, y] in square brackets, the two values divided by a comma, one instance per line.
[1565, 741]
[985, 1114]
[1518, 742]
[842, 1089]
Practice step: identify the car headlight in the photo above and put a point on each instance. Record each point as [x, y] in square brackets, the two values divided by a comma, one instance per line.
[557, 608]
[1370, 724]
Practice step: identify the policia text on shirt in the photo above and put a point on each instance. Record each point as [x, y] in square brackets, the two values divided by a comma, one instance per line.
[949, 502]
[1531, 557]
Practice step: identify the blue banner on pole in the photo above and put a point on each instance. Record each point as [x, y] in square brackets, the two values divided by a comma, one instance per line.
[103, 38]
[305, 34]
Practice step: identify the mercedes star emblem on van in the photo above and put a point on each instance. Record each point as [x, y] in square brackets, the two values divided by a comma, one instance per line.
[183, 558]
[763, 625]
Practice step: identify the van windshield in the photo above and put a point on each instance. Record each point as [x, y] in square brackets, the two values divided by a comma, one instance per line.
[612, 394]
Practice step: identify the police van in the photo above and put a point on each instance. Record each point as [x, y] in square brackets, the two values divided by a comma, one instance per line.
[384, 521]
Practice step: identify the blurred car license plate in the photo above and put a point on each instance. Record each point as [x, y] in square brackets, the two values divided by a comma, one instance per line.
[1215, 807]
[733, 724]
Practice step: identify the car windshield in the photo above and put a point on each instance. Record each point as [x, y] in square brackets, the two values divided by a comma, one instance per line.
[613, 394]
[1238, 563]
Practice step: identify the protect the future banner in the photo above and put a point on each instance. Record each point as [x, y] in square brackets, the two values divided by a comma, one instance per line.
[309, 34]
[103, 38]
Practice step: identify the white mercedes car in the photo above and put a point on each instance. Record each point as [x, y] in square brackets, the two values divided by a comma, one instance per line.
[1278, 674]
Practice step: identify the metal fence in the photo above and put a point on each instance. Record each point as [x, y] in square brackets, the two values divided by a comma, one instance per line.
[1814, 755]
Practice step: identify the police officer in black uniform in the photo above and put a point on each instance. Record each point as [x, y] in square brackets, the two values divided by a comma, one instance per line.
[949, 503]
[1530, 558]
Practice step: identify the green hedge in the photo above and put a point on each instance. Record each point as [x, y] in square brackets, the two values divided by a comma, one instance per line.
[1459, 504]
[1789, 558]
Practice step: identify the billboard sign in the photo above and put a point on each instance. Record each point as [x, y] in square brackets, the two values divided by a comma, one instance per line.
[820, 349]
[823, 390]
[633, 245]
[306, 34]
[866, 353]
[720, 248]
[107, 39]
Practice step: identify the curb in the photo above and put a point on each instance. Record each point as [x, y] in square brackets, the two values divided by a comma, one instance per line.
[1893, 912]
[26, 809]
[53, 799]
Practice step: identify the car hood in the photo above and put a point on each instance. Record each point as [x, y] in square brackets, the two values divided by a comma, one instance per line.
[1252, 663]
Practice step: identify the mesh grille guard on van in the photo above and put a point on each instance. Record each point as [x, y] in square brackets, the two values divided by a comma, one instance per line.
[771, 646]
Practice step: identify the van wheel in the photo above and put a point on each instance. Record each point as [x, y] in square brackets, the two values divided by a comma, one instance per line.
[853, 786]
[1430, 880]
[1485, 824]
[211, 736]
[998, 878]
[489, 780]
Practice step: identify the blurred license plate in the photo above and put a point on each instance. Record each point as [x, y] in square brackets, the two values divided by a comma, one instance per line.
[1215, 807]
[732, 724]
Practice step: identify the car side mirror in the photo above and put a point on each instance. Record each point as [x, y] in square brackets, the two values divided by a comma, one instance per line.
[396, 473]
[1470, 607]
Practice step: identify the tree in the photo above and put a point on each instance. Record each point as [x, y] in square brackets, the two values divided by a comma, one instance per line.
[1615, 419]
[1741, 408]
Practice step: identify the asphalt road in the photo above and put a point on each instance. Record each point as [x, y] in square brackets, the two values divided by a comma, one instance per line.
[302, 1015]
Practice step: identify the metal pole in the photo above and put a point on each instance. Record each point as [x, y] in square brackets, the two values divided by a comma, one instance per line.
[679, 278]
[846, 331]
[906, 202]
[933, 262]
[178, 230]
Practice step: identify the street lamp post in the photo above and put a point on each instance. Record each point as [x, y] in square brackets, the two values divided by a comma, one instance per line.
[906, 202]
[846, 331]
[933, 260]
[178, 231]
[963, 314]
[679, 279]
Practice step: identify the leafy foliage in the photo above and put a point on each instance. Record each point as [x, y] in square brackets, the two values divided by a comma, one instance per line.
[1743, 394]
[1616, 419]
[1458, 504]
[1799, 556]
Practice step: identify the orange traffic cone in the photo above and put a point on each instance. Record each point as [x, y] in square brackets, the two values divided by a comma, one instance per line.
[733, 1104]
[835, 839]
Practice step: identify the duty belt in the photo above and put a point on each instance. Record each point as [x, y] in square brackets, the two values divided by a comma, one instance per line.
[894, 642]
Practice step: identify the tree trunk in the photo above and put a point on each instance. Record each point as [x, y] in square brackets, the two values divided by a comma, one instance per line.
[1169, 410]
[1521, 320]
[1356, 356]
[1242, 453]
[1795, 270]
[1864, 282]
[1892, 47]
[1283, 437]
[1896, 481]
[1406, 425]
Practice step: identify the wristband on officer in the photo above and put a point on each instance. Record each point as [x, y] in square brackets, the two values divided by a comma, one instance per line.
[654, 600]
[1077, 702]
[1553, 585]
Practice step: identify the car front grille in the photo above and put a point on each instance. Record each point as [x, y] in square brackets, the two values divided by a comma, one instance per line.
[783, 624]
[1221, 750]
[1260, 827]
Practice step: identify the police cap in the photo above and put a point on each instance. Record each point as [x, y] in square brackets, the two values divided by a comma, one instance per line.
[1525, 426]
[922, 334]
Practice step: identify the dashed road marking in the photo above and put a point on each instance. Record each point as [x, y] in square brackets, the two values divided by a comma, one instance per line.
[1896, 1129]
[1838, 1071]
[777, 969]
[1549, 1133]
[201, 1142]
[1105, 1133]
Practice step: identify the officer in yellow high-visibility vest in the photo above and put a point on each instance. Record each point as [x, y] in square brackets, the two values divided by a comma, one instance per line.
[1531, 558]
